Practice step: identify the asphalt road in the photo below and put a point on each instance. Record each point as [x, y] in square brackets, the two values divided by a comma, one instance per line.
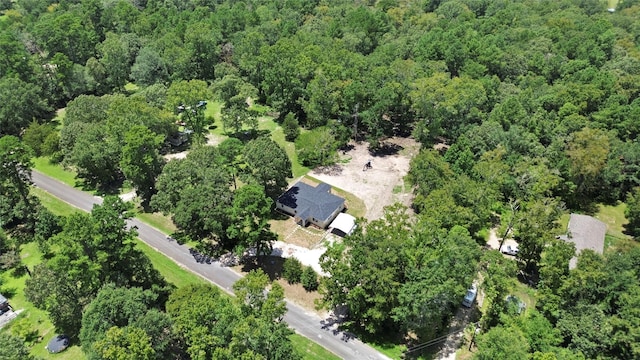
[305, 323]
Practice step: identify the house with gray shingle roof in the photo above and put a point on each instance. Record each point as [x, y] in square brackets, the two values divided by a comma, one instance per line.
[585, 232]
[311, 204]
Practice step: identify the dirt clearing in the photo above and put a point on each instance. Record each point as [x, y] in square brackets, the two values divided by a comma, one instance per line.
[381, 184]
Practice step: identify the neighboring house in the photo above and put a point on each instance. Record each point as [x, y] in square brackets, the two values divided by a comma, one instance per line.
[311, 205]
[585, 232]
[4, 305]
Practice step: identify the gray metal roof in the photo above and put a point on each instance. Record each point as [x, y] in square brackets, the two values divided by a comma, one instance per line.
[311, 202]
[585, 232]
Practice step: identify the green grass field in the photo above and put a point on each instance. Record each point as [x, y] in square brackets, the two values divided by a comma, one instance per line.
[158, 221]
[54, 204]
[55, 171]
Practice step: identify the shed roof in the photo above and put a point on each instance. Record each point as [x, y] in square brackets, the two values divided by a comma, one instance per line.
[585, 232]
[311, 202]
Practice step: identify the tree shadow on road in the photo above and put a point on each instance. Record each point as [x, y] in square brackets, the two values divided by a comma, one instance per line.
[271, 265]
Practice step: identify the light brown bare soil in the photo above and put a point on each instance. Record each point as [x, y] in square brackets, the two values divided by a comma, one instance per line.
[379, 186]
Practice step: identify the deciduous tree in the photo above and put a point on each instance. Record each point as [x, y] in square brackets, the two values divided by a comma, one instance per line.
[15, 178]
[22, 103]
[268, 165]
[141, 162]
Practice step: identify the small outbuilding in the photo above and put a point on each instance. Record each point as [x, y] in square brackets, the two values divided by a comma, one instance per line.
[343, 225]
[586, 232]
[311, 204]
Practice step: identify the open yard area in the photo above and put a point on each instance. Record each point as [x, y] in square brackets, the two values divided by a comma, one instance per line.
[378, 186]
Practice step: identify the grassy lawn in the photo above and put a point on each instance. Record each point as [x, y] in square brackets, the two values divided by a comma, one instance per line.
[158, 221]
[309, 349]
[54, 204]
[393, 351]
[55, 171]
[614, 217]
[278, 136]
[171, 271]
[59, 118]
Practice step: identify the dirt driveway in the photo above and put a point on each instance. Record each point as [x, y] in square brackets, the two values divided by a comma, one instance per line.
[378, 186]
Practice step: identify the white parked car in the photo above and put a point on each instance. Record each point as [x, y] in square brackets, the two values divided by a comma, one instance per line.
[510, 250]
[470, 297]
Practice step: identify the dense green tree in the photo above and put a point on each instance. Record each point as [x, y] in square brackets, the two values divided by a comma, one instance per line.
[250, 211]
[268, 165]
[60, 295]
[87, 109]
[124, 343]
[446, 105]
[155, 95]
[149, 68]
[114, 57]
[502, 343]
[214, 326]
[438, 274]
[429, 171]
[290, 127]
[140, 161]
[367, 269]
[35, 136]
[534, 229]
[554, 270]
[284, 81]
[96, 155]
[195, 191]
[309, 279]
[22, 103]
[632, 213]
[13, 348]
[17, 205]
[498, 274]
[16, 63]
[201, 40]
[292, 270]
[67, 33]
[587, 151]
[317, 147]
[112, 307]
[203, 317]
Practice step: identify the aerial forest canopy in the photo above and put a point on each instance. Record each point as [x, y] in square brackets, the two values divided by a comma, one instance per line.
[523, 109]
[551, 82]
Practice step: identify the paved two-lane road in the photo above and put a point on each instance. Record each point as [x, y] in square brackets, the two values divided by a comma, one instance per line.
[304, 323]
